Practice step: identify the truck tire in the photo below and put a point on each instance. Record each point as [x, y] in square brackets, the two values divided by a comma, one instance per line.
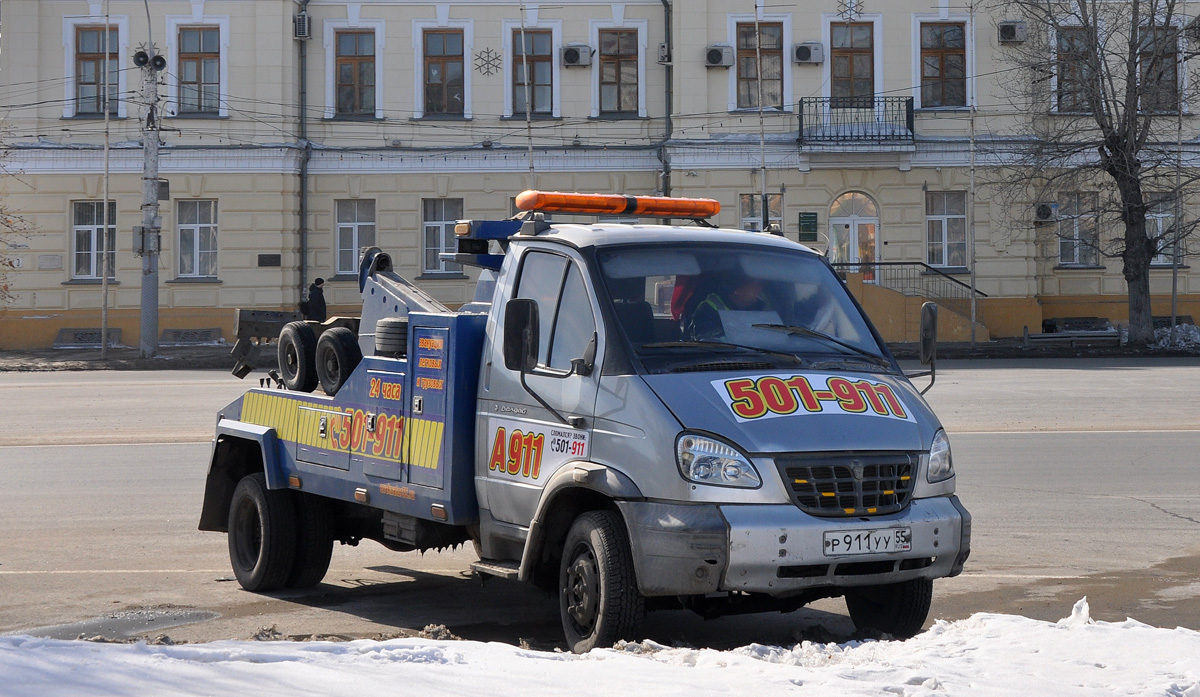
[337, 356]
[598, 596]
[314, 540]
[262, 534]
[298, 357]
[391, 337]
[898, 609]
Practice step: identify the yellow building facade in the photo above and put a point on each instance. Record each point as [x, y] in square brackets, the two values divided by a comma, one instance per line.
[295, 133]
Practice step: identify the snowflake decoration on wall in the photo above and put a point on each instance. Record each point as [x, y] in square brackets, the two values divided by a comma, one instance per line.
[849, 10]
[487, 62]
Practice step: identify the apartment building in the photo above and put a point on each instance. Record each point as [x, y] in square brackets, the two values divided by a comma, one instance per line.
[295, 133]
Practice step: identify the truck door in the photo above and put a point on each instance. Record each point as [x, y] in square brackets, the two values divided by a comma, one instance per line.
[525, 443]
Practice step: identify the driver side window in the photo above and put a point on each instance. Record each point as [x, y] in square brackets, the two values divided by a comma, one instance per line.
[564, 310]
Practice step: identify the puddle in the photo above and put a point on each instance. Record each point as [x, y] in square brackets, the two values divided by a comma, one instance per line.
[125, 624]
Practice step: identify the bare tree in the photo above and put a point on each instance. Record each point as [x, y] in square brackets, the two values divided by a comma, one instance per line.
[1098, 89]
[13, 229]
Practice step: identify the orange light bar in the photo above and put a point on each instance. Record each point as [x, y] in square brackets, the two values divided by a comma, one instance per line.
[613, 204]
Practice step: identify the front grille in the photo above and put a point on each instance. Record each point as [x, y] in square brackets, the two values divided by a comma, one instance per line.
[850, 483]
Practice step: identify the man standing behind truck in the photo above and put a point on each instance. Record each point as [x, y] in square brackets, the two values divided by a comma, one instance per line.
[314, 307]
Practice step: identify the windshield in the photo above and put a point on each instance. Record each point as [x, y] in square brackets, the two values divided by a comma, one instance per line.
[725, 304]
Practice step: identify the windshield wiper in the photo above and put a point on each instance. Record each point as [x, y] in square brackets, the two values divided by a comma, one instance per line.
[805, 331]
[724, 344]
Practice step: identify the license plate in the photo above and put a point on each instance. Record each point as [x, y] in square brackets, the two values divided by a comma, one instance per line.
[843, 542]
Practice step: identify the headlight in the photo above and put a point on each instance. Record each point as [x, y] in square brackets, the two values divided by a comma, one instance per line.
[941, 465]
[706, 460]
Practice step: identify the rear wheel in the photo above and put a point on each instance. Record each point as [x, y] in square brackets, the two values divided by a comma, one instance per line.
[598, 596]
[314, 540]
[337, 356]
[262, 534]
[298, 357]
[898, 609]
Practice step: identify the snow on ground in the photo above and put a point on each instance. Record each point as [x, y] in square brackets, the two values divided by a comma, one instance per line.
[987, 654]
[1187, 336]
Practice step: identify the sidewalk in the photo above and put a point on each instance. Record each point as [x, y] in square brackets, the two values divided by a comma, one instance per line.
[217, 356]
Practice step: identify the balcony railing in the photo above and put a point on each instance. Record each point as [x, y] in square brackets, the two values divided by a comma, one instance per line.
[916, 279]
[856, 120]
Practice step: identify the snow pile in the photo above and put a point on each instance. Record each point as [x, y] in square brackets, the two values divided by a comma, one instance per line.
[987, 654]
[1187, 336]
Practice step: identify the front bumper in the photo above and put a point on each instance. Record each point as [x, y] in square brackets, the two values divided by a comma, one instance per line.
[778, 550]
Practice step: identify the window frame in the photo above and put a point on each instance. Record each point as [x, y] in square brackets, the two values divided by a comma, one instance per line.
[174, 24]
[98, 59]
[619, 60]
[356, 231]
[549, 329]
[356, 60]
[742, 54]
[420, 27]
[1163, 222]
[944, 219]
[941, 53]
[753, 220]
[94, 264]
[1085, 259]
[550, 58]
[200, 57]
[331, 28]
[532, 22]
[784, 19]
[446, 239]
[197, 247]
[1176, 84]
[1077, 77]
[641, 26]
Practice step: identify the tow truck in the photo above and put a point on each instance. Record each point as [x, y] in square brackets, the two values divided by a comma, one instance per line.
[581, 429]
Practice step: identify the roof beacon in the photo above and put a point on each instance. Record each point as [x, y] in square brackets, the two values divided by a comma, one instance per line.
[614, 204]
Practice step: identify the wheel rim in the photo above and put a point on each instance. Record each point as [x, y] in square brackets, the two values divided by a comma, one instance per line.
[247, 532]
[291, 360]
[332, 367]
[581, 589]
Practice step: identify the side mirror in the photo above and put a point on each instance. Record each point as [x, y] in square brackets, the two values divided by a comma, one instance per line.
[585, 365]
[929, 316]
[521, 326]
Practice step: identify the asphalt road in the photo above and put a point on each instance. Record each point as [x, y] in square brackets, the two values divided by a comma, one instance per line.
[1080, 476]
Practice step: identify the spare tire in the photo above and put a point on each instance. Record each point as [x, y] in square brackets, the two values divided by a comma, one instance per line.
[298, 357]
[337, 356]
[391, 337]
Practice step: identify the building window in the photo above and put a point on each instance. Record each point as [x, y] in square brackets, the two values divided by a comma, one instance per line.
[199, 70]
[89, 70]
[763, 41]
[1160, 227]
[197, 238]
[355, 68]
[440, 215]
[88, 226]
[852, 61]
[1073, 72]
[618, 71]
[943, 65]
[1078, 238]
[355, 230]
[533, 71]
[445, 86]
[946, 228]
[1158, 68]
[751, 209]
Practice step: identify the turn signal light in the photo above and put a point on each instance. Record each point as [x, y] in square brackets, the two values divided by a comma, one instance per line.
[613, 204]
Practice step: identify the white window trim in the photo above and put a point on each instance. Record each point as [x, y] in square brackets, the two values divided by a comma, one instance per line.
[969, 28]
[174, 23]
[356, 227]
[1160, 222]
[1182, 47]
[331, 27]
[877, 49]
[195, 227]
[1075, 236]
[945, 219]
[425, 224]
[786, 20]
[70, 24]
[418, 31]
[755, 223]
[507, 28]
[97, 263]
[595, 26]
[1053, 39]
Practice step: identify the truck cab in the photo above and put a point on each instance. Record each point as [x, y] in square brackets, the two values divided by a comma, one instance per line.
[632, 417]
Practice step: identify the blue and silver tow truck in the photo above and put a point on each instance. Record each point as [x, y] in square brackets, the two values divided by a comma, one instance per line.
[632, 417]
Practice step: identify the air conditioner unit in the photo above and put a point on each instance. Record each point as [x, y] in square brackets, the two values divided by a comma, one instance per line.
[576, 55]
[1013, 32]
[1045, 212]
[301, 26]
[808, 52]
[718, 56]
[664, 54]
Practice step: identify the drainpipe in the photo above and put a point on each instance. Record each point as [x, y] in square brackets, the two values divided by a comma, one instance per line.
[305, 154]
[670, 97]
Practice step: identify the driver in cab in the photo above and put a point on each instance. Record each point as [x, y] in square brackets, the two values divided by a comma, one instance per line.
[739, 293]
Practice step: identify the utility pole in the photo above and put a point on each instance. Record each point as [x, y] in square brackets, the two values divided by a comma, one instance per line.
[150, 238]
[104, 267]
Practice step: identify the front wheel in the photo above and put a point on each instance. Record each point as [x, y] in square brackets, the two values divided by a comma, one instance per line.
[898, 609]
[598, 596]
[262, 534]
